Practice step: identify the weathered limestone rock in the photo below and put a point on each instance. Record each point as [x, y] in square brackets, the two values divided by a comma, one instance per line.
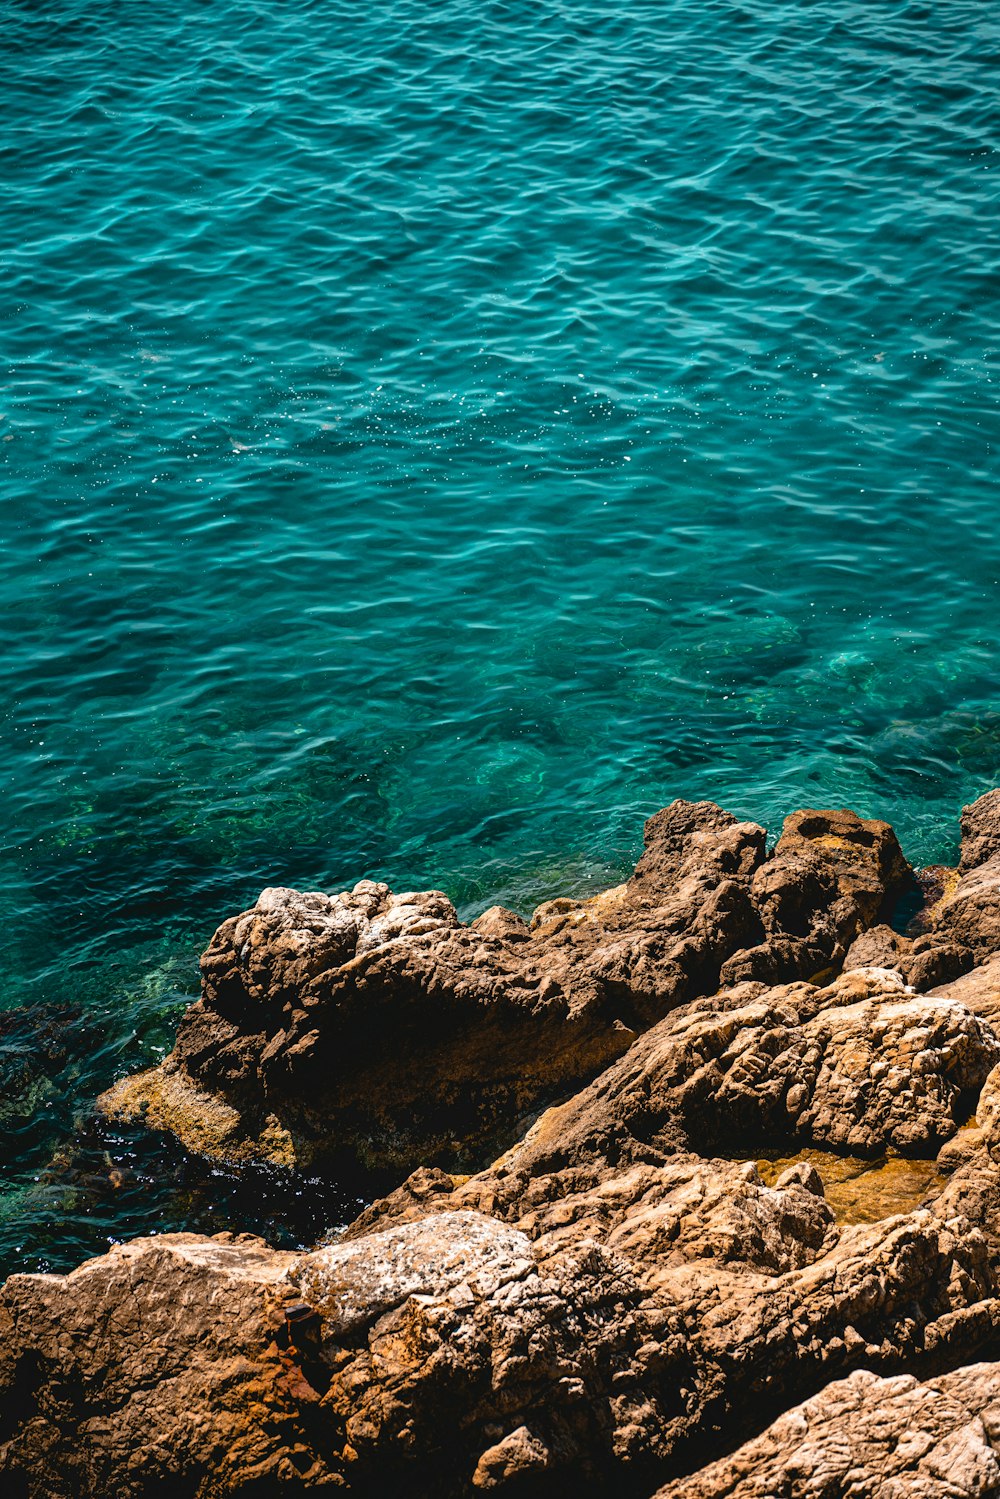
[375, 1029]
[685, 1209]
[832, 875]
[591, 1344]
[860, 1066]
[870, 1438]
[153, 1353]
[980, 823]
[978, 990]
[604, 1305]
[970, 913]
[924, 961]
[438, 1357]
[757, 1324]
[972, 1192]
[863, 855]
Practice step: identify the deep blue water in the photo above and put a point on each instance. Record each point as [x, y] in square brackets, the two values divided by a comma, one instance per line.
[434, 437]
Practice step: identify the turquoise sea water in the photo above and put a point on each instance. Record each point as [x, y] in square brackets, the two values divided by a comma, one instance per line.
[434, 437]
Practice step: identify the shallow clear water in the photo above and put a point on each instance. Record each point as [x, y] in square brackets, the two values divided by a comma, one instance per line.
[435, 437]
[860, 1190]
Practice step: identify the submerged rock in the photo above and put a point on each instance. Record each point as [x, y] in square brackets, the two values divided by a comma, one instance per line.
[38, 1044]
[860, 1189]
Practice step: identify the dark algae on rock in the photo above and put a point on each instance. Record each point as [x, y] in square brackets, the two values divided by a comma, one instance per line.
[599, 1254]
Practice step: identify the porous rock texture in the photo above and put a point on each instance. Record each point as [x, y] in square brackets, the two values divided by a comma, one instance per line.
[374, 1030]
[872, 1438]
[602, 1338]
[923, 960]
[969, 913]
[617, 1298]
[860, 1065]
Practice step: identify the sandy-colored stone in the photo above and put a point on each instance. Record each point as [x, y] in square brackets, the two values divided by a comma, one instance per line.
[593, 1342]
[860, 1066]
[832, 875]
[164, 1098]
[978, 990]
[980, 824]
[923, 961]
[970, 913]
[867, 1437]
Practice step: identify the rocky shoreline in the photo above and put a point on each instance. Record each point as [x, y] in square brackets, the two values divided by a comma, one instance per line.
[573, 1275]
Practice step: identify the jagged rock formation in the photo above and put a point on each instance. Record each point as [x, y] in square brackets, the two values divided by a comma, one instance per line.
[923, 961]
[285, 1056]
[603, 1337]
[861, 1066]
[871, 1438]
[970, 912]
[605, 1333]
[609, 1301]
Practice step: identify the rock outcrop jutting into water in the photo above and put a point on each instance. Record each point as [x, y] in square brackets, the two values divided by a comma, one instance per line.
[577, 1279]
[374, 1030]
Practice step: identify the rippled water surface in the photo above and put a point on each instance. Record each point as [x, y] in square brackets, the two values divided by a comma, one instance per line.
[432, 438]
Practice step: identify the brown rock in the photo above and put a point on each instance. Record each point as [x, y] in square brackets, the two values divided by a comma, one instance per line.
[434, 1358]
[960, 1150]
[934, 961]
[978, 990]
[832, 874]
[924, 961]
[687, 1208]
[988, 1113]
[591, 1344]
[870, 1438]
[285, 1057]
[971, 916]
[377, 1030]
[606, 1303]
[980, 823]
[520, 1453]
[972, 1191]
[859, 1066]
[163, 1354]
[765, 1295]
[969, 912]
[863, 855]
[879, 947]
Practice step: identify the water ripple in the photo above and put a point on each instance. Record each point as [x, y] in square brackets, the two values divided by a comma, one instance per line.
[433, 439]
